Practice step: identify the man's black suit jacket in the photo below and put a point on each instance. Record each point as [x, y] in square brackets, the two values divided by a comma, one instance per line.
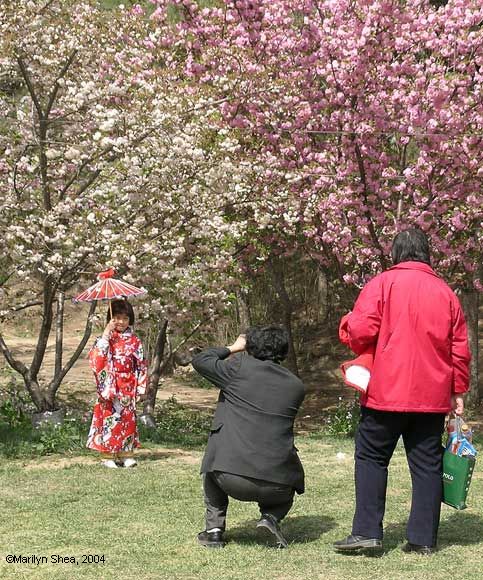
[252, 430]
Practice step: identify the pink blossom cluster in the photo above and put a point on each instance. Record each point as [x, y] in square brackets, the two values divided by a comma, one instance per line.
[367, 115]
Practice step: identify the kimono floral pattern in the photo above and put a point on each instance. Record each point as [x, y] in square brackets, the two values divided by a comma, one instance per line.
[120, 371]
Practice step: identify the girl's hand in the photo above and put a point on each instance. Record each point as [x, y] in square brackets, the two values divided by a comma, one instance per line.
[110, 326]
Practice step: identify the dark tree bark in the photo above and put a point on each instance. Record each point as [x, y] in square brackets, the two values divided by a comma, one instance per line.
[155, 370]
[59, 334]
[470, 304]
[278, 279]
[44, 397]
[59, 375]
[243, 310]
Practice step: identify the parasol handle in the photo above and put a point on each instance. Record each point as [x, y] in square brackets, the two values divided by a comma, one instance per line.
[110, 308]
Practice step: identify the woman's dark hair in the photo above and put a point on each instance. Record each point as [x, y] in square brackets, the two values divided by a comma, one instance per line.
[267, 342]
[121, 307]
[411, 246]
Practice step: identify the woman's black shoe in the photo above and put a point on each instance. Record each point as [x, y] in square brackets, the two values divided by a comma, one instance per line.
[417, 549]
[211, 539]
[352, 543]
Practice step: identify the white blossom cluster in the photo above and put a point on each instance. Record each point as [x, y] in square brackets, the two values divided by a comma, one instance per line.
[107, 161]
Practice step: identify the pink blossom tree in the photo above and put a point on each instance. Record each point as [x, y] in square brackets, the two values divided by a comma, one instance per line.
[366, 115]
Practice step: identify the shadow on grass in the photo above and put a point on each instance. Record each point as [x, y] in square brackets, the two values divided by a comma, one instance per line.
[296, 529]
[394, 536]
[460, 529]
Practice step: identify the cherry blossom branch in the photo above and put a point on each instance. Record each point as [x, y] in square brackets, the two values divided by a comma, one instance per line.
[370, 225]
[46, 5]
[55, 89]
[30, 87]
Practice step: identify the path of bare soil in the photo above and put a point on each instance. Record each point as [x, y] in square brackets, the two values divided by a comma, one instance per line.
[166, 455]
[321, 375]
[323, 382]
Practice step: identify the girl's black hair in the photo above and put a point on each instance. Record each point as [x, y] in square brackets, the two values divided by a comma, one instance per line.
[267, 342]
[411, 246]
[121, 307]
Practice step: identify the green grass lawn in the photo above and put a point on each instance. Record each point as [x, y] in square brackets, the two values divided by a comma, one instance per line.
[144, 522]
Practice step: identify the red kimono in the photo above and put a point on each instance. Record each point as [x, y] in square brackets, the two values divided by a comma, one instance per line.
[120, 370]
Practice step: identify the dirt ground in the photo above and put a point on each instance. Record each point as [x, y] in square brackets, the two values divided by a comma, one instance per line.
[78, 390]
[323, 381]
[319, 371]
[171, 455]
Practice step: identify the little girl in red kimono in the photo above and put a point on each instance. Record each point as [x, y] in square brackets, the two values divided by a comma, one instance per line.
[119, 366]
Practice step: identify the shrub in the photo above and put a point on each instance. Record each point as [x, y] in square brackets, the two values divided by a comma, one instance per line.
[15, 405]
[177, 424]
[344, 419]
[23, 440]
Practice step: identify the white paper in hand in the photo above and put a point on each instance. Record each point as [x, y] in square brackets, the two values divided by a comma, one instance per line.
[358, 375]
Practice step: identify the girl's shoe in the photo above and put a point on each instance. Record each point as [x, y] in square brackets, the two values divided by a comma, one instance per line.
[130, 462]
[110, 463]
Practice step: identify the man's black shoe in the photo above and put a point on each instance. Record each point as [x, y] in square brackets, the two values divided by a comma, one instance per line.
[268, 522]
[211, 539]
[352, 543]
[417, 549]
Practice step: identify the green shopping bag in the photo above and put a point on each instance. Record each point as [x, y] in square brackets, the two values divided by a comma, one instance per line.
[457, 472]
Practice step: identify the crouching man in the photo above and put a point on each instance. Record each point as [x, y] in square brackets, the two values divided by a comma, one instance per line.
[250, 454]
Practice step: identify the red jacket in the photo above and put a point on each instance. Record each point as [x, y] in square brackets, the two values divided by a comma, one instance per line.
[415, 323]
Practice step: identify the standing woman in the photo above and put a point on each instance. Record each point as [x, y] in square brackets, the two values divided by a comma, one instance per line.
[414, 324]
[117, 359]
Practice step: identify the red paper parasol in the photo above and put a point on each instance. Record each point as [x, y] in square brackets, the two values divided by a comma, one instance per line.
[108, 288]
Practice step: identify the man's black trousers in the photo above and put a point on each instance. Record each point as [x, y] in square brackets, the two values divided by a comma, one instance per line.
[376, 440]
[275, 499]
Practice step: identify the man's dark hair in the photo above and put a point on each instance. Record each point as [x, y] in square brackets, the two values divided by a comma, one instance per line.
[121, 307]
[267, 342]
[411, 246]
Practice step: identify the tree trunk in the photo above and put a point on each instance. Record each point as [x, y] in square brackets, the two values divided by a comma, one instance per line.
[323, 293]
[61, 371]
[155, 370]
[243, 310]
[43, 397]
[276, 270]
[470, 303]
[59, 333]
[36, 394]
[40, 398]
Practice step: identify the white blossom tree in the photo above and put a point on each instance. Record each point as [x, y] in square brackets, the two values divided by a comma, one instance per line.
[108, 158]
